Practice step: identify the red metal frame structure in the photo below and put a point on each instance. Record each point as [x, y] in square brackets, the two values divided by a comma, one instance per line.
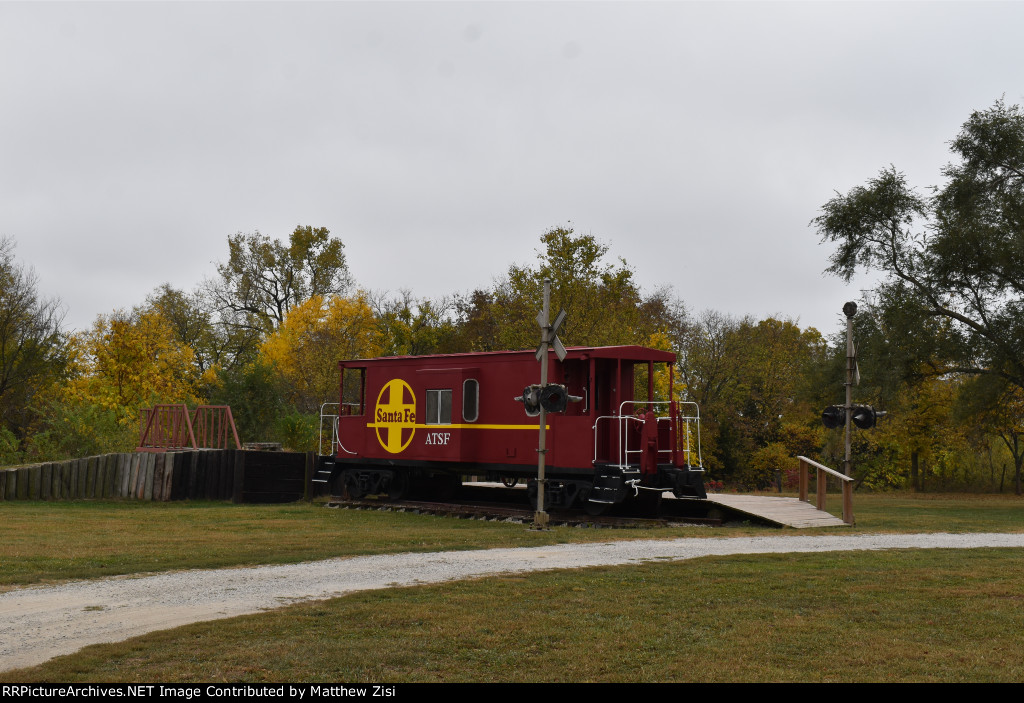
[211, 424]
[169, 427]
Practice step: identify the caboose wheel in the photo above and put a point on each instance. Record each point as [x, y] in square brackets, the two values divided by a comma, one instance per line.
[509, 481]
[352, 487]
[399, 486]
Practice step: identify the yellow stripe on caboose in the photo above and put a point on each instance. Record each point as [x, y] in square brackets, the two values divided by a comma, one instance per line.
[461, 427]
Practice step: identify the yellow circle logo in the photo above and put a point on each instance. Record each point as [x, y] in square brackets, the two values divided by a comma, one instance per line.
[395, 419]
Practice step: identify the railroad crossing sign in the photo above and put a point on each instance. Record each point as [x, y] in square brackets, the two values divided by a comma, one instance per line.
[549, 334]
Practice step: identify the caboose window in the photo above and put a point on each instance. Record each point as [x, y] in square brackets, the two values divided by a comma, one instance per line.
[353, 391]
[439, 407]
[470, 400]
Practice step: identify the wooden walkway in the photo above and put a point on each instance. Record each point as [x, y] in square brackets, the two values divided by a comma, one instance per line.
[789, 512]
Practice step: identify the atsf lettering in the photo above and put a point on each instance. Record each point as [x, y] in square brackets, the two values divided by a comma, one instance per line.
[435, 438]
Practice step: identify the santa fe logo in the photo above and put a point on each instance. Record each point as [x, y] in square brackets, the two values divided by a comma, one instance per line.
[395, 419]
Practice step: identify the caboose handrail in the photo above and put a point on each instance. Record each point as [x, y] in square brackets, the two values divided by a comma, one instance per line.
[597, 421]
[658, 418]
[334, 427]
[623, 451]
[695, 420]
[686, 419]
[624, 403]
[335, 438]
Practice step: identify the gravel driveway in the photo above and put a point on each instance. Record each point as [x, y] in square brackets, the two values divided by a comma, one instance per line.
[43, 622]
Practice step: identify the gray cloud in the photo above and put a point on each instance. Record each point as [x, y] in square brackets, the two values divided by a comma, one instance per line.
[439, 140]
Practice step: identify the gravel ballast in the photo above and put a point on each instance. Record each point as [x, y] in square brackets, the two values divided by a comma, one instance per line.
[39, 623]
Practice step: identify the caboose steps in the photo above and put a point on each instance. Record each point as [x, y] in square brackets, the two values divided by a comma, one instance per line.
[610, 484]
[323, 471]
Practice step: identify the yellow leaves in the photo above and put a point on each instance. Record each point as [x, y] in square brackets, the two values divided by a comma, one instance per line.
[660, 340]
[128, 361]
[313, 338]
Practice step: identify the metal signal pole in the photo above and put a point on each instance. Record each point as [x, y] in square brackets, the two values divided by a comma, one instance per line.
[540, 518]
[850, 309]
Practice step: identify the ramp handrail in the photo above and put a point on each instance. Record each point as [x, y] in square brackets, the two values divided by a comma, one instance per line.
[820, 479]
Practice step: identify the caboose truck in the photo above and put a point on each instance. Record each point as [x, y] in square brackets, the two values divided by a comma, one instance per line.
[425, 422]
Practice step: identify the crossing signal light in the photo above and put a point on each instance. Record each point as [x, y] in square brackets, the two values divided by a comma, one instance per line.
[554, 398]
[865, 416]
[833, 416]
[531, 400]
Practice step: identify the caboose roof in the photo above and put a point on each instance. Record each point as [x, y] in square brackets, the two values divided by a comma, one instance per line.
[624, 352]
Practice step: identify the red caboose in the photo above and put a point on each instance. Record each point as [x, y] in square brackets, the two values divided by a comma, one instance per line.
[432, 420]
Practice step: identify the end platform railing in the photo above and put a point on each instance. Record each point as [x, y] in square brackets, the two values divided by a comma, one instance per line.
[821, 480]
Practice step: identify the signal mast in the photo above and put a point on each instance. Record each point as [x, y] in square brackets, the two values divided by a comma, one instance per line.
[863, 416]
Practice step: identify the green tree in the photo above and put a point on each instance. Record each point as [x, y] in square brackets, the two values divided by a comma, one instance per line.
[752, 382]
[191, 323]
[218, 340]
[953, 262]
[998, 407]
[263, 278]
[410, 326]
[255, 393]
[900, 372]
[604, 302]
[33, 349]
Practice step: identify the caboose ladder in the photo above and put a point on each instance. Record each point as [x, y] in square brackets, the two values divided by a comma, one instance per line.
[324, 470]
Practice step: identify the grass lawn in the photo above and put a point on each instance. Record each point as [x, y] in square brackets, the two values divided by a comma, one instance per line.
[928, 615]
[50, 541]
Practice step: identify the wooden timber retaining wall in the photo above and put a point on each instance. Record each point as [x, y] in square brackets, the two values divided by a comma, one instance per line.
[212, 474]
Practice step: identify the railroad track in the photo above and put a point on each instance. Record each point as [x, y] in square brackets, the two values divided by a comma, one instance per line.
[515, 514]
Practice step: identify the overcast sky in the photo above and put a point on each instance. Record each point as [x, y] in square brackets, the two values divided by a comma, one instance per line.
[440, 140]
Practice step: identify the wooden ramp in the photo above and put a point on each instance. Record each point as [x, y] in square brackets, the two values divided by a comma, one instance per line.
[789, 512]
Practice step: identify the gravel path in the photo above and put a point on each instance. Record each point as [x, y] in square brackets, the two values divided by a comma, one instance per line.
[43, 622]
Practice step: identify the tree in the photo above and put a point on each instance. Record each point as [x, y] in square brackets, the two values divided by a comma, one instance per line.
[192, 325]
[263, 279]
[315, 336]
[33, 349]
[953, 262]
[129, 360]
[709, 358]
[604, 302]
[999, 407]
[217, 338]
[253, 390]
[751, 381]
[410, 326]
